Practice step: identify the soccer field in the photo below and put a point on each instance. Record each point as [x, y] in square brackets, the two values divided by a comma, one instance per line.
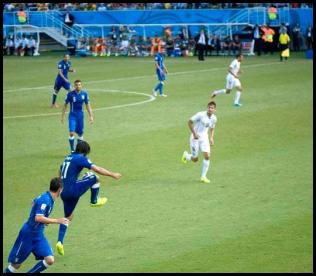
[254, 216]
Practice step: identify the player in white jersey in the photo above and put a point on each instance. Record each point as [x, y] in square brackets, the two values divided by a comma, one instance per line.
[232, 80]
[202, 126]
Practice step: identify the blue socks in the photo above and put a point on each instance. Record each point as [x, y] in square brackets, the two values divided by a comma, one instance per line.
[40, 266]
[54, 98]
[159, 87]
[72, 143]
[62, 232]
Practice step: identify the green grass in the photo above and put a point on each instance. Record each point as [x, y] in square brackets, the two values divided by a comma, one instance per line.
[255, 216]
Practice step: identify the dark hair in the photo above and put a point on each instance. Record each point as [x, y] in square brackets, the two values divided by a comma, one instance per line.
[239, 55]
[211, 103]
[77, 81]
[55, 184]
[83, 147]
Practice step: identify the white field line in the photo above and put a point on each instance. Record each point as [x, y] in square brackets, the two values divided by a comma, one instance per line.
[151, 98]
[5, 91]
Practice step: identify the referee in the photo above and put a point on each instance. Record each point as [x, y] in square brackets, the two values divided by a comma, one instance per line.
[284, 41]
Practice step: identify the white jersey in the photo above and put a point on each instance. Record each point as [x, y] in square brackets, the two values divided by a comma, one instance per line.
[202, 123]
[234, 67]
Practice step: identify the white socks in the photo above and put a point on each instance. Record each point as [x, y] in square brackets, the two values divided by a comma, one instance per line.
[12, 269]
[237, 97]
[205, 166]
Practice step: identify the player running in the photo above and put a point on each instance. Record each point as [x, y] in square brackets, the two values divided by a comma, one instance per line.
[232, 80]
[62, 78]
[202, 127]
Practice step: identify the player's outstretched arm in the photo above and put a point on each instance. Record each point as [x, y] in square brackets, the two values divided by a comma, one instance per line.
[105, 172]
[45, 220]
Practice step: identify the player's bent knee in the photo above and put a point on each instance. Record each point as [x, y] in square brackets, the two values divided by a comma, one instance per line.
[70, 217]
[49, 260]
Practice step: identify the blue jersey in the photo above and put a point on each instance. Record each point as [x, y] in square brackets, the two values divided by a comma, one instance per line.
[31, 237]
[160, 60]
[42, 206]
[76, 101]
[71, 168]
[64, 66]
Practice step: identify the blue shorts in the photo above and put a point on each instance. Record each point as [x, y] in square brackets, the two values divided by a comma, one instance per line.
[76, 123]
[59, 83]
[71, 194]
[29, 242]
[160, 76]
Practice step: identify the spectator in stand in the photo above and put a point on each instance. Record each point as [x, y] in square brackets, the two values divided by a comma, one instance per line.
[69, 21]
[169, 46]
[5, 46]
[210, 45]
[133, 49]
[31, 45]
[236, 45]
[283, 28]
[22, 16]
[24, 46]
[168, 33]
[296, 33]
[17, 45]
[98, 47]
[155, 45]
[10, 45]
[124, 47]
[9, 7]
[191, 46]
[201, 44]
[227, 45]
[42, 6]
[257, 36]
[184, 47]
[101, 7]
[309, 38]
[113, 34]
[218, 44]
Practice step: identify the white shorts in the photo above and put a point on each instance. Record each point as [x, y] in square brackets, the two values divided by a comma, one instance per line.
[231, 82]
[196, 145]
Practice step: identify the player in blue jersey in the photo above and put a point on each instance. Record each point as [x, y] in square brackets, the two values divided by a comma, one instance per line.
[62, 78]
[74, 188]
[161, 71]
[31, 237]
[76, 99]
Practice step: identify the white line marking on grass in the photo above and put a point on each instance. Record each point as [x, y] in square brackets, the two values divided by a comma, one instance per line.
[139, 77]
[151, 98]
